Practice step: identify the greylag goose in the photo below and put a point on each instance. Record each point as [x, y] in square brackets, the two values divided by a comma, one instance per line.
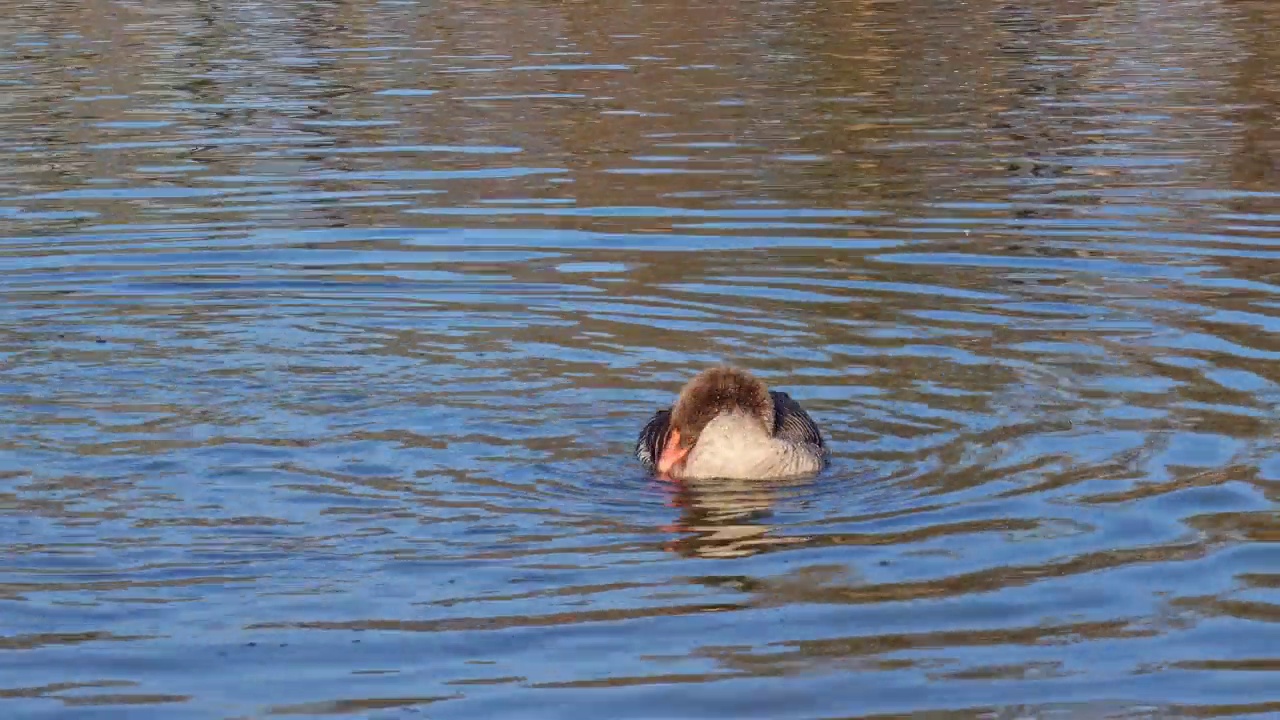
[726, 423]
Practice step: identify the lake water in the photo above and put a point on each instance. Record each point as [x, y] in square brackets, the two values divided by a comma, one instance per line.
[327, 327]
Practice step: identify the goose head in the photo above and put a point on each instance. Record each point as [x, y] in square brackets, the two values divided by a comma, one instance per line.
[730, 399]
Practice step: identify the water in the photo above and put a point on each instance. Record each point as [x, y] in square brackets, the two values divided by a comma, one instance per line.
[326, 329]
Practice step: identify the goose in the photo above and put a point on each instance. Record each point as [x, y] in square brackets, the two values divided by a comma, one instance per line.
[726, 423]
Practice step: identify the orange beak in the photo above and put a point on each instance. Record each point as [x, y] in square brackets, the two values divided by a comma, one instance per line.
[672, 454]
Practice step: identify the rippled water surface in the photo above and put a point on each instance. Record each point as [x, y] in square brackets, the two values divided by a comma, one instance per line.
[326, 329]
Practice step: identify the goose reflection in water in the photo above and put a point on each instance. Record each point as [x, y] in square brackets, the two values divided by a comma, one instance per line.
[728, 518]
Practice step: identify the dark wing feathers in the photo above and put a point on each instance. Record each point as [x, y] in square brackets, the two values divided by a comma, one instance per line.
[791, 422]
[653, 438]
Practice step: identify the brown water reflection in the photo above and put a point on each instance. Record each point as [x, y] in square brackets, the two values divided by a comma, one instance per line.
[326, 329]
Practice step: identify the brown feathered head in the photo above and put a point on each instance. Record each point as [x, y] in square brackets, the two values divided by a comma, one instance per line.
[717, 390]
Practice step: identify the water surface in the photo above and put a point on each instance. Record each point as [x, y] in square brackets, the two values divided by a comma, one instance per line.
[326, 329]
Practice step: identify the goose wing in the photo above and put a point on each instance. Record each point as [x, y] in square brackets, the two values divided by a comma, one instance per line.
[653, 437]
[791, 422]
